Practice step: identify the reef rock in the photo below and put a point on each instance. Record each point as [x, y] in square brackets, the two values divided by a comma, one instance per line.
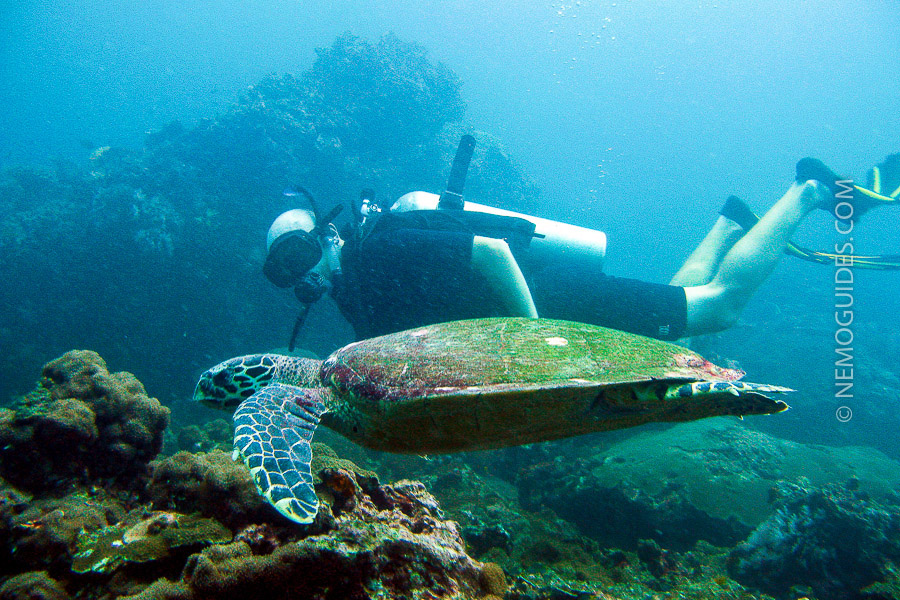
[210, 484]
[379, 114]
[709, 480]
[369, 541]
[77, 452]
[834, 540]
[81, 424]
[42, 533]
[34, 585]
[142, 538]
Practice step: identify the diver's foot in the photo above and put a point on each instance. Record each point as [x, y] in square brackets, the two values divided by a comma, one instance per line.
[812, 194]
[844, 200]
[736, 210]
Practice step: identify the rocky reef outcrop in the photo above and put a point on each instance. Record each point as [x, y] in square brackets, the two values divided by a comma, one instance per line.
[377, 541]
[34, 585]
[834, 541]
[634, 519]
[82, 424]
[130, 240]
[710, 480]
[87, 510]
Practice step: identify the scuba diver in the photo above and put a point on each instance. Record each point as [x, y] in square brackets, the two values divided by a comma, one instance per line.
[431, 259]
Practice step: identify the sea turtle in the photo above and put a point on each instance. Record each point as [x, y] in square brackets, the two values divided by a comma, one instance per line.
[463, 385]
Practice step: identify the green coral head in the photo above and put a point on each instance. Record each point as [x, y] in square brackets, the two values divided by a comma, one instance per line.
[231, 382]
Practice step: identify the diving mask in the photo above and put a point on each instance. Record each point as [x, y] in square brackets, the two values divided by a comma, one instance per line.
[290, 257]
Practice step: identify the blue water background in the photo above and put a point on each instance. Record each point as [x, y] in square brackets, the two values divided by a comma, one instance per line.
[637, 118]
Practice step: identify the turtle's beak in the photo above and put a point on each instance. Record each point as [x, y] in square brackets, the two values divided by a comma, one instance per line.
[208, 392]
[231, 382]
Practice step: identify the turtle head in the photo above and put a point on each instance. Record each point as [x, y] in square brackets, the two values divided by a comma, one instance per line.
[231, 382]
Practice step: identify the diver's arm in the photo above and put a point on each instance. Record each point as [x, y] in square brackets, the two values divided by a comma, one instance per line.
[493, 259]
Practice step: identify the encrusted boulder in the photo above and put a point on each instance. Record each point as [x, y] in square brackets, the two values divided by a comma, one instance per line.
[41, 534]
[81, 424]
[142, 538]
[210, 484]
[370, 541]
[214, 485]
[34, 585]
[709, 480]
[835, 540]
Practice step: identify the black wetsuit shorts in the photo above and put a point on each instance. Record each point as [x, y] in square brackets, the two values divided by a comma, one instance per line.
[651, 309]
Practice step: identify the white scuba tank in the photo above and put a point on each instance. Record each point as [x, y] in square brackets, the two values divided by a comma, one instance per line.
[555, 243]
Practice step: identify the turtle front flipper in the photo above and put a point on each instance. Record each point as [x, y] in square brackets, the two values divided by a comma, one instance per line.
[272, 432]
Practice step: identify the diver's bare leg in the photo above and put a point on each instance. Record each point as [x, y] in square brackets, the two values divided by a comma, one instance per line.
[704, 261]
[716, 305]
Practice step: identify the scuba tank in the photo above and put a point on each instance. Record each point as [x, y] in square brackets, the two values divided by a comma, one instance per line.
[554, 243]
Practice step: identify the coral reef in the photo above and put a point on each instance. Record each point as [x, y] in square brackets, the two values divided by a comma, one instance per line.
[42, 533]
[102, 535]
[210, 484]
[81, 424]
[835, 540]
[156, 536]
[214, 485]
[109, 536]
[710, 480]
[131, 240]
[544, 556]
[34, 585]
[123, 252]
[390, 72]
[376, 541]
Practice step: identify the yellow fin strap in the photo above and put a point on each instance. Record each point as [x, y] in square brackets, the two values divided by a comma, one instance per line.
[876, 195]
[876, 184]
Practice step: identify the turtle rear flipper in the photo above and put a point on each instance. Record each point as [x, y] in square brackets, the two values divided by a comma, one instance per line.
[272, 432]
